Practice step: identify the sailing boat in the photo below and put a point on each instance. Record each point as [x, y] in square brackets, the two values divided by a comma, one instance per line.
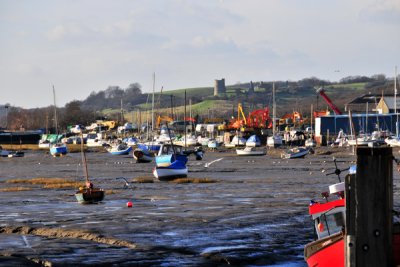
[274, 140]
[88, 194]
[58, 148]
[395, 141]
[310, 142]
[172, 165]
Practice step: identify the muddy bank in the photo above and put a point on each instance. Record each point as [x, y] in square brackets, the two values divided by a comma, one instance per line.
[253, 214]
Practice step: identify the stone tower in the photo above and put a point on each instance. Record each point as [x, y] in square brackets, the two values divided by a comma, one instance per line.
[219, 87]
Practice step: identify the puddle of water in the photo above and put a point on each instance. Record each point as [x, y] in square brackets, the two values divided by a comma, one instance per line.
[222, 248]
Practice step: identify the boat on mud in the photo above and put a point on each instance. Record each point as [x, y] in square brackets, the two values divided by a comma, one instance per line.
[250, 151]
[177, 169]
[58, 149]
[119, 149]
[169, 153]
[296, 152]
[88, 194]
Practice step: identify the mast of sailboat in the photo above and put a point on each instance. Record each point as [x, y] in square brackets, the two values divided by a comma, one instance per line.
[184, 120]
[152, 102]
[366, 119]
[312, 119]
[84, 162]
[55, 111]
[273, 109]
[395, 101]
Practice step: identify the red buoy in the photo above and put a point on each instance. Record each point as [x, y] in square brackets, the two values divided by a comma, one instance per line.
[129, 204]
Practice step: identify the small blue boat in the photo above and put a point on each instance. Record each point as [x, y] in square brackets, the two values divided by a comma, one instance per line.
[169, 153]
[58, 149]
[176, 169]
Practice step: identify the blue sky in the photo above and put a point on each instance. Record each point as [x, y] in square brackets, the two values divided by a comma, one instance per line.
[88, 45]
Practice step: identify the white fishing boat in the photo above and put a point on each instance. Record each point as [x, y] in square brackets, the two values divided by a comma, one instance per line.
[250, 151]
[188, 140]
[296, 152]
[95, 140]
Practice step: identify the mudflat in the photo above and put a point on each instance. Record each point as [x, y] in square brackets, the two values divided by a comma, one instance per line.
[232, 210]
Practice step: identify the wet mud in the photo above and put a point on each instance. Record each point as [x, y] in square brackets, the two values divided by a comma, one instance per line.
[253, 213]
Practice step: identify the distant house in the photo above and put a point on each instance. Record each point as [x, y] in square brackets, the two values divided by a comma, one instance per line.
[361, 103]
[387, 105]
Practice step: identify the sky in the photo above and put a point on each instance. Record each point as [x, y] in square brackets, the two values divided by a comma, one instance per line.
[88, 45]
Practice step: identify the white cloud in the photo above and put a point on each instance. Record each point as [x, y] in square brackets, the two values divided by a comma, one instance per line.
[383, 11]
[89, 45]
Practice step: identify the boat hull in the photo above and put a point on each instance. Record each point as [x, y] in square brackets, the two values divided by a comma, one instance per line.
[176, 170]
[295, 153]
[248, 152]
[166, 160]
[325, 252]
[120, 152]
[329, 251]
[89, 196]
[57, 151]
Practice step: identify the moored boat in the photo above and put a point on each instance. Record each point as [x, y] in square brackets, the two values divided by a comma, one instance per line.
[58, 149]
[250, 151]
[296, 152]
[176, 169]
[119, 149]
[329, 222]
[88, 194]
[169, 153]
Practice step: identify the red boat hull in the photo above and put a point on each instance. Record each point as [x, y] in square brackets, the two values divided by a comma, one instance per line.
[330, 251]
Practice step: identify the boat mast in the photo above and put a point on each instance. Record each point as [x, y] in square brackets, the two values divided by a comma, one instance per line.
[84, 162]
[152, 102]
[312, 119]
[184, 120]
[55, 111]
[395, 101]
[273, 109]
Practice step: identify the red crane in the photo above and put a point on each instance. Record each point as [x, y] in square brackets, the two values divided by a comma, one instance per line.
[321, 91]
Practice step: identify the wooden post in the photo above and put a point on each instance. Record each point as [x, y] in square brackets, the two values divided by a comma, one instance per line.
[369, 205]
